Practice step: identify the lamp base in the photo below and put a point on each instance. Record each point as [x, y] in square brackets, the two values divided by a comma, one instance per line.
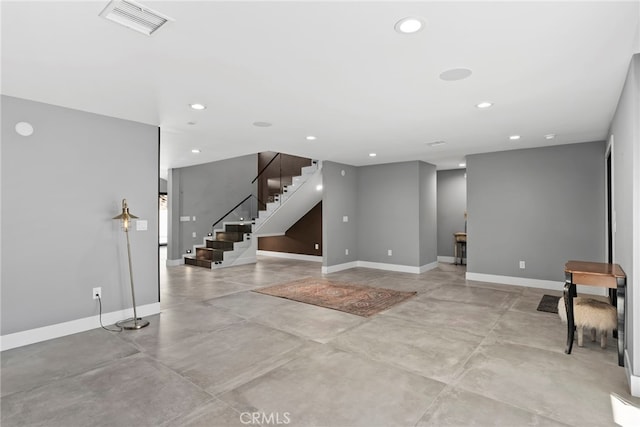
[132, 324]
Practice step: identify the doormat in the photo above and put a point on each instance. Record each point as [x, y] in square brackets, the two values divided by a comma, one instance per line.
[348, 297]
[549, 304]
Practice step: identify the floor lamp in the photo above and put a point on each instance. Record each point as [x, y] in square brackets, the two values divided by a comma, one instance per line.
[136, 322]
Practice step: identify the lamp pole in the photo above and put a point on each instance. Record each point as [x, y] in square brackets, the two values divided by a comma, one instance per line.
[135, 323]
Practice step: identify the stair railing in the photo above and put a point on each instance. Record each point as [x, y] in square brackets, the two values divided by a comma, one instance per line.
[281, 168]
[266, 166]
[272, 171]
[246, 214]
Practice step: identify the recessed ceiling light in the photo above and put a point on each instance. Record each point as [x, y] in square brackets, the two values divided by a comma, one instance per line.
[514, 137]
[484, 104]
[408, 25]
[262, 124]
[455, 74]
[372, 154]
[550, 136]
[436, 143]
[197, 106]
[311, 138]
[24, 128]
[195, 151]
[462, 165]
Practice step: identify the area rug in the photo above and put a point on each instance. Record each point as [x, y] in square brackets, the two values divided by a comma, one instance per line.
[549, 304]
[348, 297]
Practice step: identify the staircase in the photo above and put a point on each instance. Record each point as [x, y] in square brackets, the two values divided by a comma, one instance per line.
[296, 200]
[233, 243]
[230, 245]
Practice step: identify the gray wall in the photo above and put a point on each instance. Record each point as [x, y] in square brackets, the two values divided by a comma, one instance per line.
[390, 206]
[428, 220]
[206, 191]
[339, 199]
[452, 204]
[544, 206]
[388, 202]
[625, 129]
[60, 188]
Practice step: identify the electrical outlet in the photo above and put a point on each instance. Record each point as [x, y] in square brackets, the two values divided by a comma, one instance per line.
[346, 251]
[345, 218]
[522, 265]
[97, 292]
[317, 246]
[390, 252]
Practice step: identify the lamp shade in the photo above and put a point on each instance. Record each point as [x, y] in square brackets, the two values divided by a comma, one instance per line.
[125, 216]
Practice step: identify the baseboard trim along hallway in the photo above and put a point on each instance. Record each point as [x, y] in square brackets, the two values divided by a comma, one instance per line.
[531, 283]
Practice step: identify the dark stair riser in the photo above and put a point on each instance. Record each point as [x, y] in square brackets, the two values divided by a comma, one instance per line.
[220, 244]
[244, 228]
[232, 236]
[209, 254]
[198, 262]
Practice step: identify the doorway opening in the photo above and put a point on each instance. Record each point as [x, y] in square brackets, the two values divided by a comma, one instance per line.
[163, 219]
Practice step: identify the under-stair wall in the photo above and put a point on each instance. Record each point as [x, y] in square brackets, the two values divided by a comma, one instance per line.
[304, 237]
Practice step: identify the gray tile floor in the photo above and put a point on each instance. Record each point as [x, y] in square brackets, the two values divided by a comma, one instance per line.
[459, 353]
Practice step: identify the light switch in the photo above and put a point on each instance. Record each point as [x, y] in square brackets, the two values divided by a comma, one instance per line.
[194, 234]
[345, 219]
[389, 252]
[346, 251]
[317, 246]
[141, 225]
[185, 218]
[194, 218]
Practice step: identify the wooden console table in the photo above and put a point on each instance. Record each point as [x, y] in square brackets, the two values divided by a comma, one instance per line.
[595, 274]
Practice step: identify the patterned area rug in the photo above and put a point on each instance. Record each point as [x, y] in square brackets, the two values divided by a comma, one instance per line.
[549, 304]
[343, 296]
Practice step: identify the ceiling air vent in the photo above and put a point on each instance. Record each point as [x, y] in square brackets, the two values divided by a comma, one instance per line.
[135, 16]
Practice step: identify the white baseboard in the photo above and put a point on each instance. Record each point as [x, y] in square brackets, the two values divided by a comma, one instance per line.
[174, 262]
[633, 380]
[19, 339]
[380, 266]
[339, 267]
[447, 259]
[300, 257]
[389, 267]
[429, 266]
[532, 283]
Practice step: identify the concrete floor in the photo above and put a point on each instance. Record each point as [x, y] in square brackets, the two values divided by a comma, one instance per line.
[459, 353]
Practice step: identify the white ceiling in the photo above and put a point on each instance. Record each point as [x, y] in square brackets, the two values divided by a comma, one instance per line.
[335, 70]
